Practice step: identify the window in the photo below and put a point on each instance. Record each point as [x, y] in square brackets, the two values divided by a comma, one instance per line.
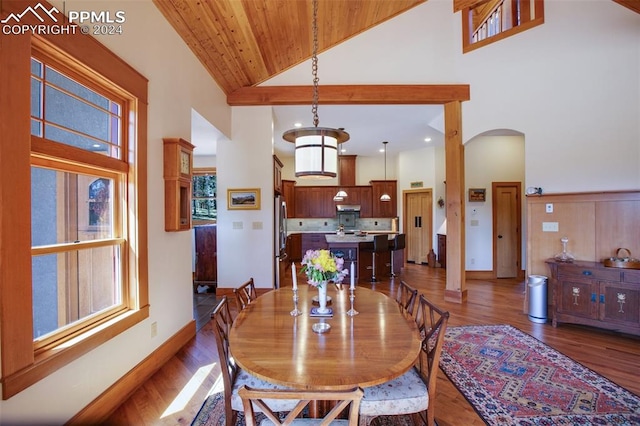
[80, 247]
[493, 20]
[203, 200]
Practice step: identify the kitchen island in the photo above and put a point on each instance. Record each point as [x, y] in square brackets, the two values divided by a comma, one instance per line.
[359, 249]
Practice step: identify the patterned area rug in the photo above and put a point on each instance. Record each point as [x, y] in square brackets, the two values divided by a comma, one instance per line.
[511, 378]
[212, 414]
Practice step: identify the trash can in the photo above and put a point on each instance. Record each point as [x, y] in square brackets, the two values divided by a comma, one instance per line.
[537, 298]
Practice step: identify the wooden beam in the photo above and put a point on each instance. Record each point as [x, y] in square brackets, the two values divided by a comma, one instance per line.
[454, 163]
[435, 94]
[631, 4]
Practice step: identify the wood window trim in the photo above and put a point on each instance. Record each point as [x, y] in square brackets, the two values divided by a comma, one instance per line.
[21, 367]
[199, 171]
[467, 46]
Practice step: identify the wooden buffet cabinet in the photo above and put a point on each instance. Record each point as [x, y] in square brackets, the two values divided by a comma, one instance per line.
[589, 293]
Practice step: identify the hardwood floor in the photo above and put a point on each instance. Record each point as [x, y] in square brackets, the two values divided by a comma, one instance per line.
[176, 392]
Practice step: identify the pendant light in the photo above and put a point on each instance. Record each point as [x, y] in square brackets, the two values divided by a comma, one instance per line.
[316, 154]
[385, 196]
[341, 194]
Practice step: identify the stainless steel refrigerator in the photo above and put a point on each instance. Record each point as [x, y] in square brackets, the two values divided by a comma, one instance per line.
[280, 239]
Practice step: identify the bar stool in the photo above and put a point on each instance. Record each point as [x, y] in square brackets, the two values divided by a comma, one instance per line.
[380, 244]
[398, 243]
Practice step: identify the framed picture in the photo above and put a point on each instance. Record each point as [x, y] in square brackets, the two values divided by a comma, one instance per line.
[243, 199]
[477, 194]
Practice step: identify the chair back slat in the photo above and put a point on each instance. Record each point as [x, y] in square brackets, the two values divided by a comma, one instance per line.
[406, 297]
[222, 322]
[245, 294]
[432, 325]
[348, 399]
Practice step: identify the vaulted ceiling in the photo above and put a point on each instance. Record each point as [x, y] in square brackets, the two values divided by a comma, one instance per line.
[245, 42]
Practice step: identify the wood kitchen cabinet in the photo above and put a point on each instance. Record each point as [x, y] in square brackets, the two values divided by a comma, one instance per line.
[588, 293]
[294, 247]
[313, 241]
[314, 201]
[359, 195]
[289, 196]
[277, 175]
[384, 208]
[347, 170]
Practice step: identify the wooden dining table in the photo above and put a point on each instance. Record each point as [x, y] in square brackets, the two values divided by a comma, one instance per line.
[377, 345]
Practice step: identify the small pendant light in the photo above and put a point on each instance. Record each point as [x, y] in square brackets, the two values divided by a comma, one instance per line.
[385, 196]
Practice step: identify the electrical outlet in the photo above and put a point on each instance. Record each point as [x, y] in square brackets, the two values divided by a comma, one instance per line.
[154, 329]
[549, 208]
[473, 261]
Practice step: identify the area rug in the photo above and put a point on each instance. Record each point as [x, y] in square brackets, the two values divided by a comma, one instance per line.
[212, 414]
[511, 378]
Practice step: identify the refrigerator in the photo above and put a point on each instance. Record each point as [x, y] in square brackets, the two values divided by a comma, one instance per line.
[280, 239]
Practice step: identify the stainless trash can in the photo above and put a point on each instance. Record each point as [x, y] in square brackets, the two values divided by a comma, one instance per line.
[537, 298]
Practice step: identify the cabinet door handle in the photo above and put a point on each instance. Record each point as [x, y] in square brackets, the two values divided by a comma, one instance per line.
[602, 298]
[587, 273]
[593, 297]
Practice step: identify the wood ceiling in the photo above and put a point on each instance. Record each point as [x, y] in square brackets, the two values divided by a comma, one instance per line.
[242, 43]
[245, 42]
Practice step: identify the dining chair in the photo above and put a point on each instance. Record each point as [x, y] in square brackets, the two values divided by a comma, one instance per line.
[346, 399]
[406, 297]
[245, 294]
[233, 377]
[414, 392]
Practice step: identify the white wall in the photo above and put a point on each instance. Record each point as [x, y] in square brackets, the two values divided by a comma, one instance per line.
[177, 83]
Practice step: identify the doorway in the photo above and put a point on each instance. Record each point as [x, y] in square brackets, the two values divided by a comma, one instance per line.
[418, 223]
[507, 236]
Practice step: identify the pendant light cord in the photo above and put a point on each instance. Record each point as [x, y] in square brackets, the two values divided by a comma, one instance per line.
[314, 64]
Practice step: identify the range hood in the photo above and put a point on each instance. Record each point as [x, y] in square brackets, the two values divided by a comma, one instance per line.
[347, 208]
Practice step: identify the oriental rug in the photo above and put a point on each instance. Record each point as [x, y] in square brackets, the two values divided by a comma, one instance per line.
[212, 414]
[511, 378]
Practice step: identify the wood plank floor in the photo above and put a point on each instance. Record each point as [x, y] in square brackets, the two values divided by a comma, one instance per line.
[176, 392]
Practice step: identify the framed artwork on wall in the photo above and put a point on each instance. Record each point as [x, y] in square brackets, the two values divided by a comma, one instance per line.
[477, 194]
[243, 199]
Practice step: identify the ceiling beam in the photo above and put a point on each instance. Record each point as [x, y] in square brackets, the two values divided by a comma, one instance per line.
[435, 94]
[631, 4]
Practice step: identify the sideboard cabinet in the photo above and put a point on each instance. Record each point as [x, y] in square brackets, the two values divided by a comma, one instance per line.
[589, 293]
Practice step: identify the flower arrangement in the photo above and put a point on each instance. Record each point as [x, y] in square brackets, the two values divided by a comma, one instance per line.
[322, 266]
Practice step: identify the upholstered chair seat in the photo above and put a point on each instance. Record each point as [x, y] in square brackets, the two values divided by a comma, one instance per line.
[403, 395]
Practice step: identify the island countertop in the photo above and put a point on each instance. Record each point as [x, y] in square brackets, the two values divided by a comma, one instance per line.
[352, 238]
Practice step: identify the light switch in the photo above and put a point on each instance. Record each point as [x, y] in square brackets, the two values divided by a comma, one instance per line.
[549, 226]
[237, 225]
[549, 208]
[474, 222]
[256, 225]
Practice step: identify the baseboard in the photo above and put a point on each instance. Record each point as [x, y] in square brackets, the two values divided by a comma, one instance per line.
[99, 410]
[480, 275]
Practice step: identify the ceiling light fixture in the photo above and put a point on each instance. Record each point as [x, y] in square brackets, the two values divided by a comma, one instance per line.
[341, 194]
[385, 196]
[316, 154]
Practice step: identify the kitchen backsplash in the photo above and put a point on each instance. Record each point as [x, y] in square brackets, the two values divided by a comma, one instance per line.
[331, 224]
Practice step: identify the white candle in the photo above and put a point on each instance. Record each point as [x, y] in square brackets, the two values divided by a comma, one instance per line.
[353, 276]
[294, 277]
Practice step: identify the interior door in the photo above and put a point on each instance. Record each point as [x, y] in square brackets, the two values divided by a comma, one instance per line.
[206, 255]
[506, 229]
[418, 223]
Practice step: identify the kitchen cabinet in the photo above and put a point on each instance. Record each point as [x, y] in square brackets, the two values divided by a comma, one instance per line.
[359, 195]
[294, 247]
[384, 208]
[588, 293]
[442, 250]
[277, 175]
[347, 170]
[289, 196]
[313, 241]
[314, 201]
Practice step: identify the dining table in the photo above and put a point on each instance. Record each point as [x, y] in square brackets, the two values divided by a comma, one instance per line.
[378, 344]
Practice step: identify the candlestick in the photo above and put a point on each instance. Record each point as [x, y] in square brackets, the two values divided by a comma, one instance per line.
[352, 312]
[295, 311]
[353, 276]
[294, 277]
